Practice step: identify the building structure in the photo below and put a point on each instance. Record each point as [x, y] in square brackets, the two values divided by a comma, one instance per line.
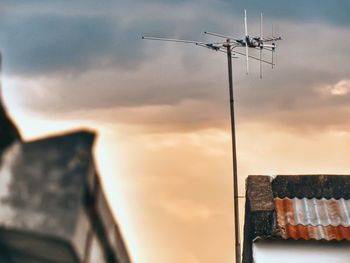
[52, 206]
[303, 218]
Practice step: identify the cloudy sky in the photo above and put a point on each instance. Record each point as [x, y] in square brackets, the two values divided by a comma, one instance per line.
[161, 109]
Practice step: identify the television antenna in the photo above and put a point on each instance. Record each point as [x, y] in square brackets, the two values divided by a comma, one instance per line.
[230, 46]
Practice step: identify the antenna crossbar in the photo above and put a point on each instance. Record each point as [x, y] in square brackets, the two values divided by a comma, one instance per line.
[173, 40]
[220, 35]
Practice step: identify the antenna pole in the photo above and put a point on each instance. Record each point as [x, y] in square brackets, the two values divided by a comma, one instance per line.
[234, 156]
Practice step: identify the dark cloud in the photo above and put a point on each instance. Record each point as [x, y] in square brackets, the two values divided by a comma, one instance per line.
[43, 44]
[57, 37]
[39, 37]
[332, 12]
[100, 63]
[50, 43]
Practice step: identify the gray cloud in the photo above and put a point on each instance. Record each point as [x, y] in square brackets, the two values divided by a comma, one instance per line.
[135, 74]
[48, 37]
[55, 38]
[307, 63]
[332, 12]
[49, 43]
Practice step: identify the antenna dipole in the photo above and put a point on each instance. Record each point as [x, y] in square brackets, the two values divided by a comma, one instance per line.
[273, 50]
[246, 42]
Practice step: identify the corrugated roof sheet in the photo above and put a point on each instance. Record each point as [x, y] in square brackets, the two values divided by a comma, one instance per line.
[313, 218]
[315, 232]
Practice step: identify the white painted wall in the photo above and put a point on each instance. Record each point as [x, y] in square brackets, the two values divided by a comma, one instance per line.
[301, 252]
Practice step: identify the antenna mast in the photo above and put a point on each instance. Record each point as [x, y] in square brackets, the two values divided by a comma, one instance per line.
[234, 157]
[229, 46]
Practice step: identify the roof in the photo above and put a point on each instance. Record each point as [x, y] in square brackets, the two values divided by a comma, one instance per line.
[301, 207]
[319, 219]
[311, 186]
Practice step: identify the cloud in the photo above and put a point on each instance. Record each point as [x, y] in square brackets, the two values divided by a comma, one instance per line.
[157, 82]
[340, 88]
[62, 36]
[299, 10]
[42, 44]
[94, 66]
[184, 88]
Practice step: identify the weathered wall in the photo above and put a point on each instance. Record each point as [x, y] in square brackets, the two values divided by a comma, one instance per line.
[259, 212]
[52, 206]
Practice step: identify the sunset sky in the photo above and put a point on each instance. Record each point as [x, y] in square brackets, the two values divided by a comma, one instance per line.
[161, 109]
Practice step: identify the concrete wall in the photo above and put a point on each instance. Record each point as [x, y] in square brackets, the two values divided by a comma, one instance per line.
[52, 206]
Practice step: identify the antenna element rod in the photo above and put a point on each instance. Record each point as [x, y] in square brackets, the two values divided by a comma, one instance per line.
[261, 43]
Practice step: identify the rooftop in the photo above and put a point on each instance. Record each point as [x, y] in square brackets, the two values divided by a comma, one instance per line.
[299, 207]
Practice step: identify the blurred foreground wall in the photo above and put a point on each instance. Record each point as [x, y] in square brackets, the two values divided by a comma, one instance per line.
[52, 206]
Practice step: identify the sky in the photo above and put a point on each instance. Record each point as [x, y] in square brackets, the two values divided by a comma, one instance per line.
[161, 109]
